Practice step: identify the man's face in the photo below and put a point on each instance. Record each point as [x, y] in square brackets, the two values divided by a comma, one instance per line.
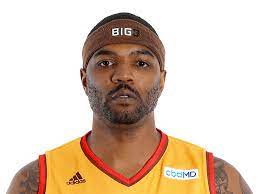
[123, 82]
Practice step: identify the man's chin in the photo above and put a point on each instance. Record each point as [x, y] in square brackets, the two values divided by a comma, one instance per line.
[124, 120]
[125, 116]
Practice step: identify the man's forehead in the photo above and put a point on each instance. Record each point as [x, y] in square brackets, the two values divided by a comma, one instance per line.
[124, 49]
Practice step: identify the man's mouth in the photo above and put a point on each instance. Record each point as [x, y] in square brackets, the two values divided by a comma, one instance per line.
[124, 94]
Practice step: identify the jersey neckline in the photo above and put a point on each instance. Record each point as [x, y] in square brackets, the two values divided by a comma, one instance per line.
[151, 162]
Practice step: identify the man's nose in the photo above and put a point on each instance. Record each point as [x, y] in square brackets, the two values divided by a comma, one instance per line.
[122, 74]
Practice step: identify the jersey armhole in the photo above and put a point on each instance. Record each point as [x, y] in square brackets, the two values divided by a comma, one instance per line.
[211, 173]
[43, 174]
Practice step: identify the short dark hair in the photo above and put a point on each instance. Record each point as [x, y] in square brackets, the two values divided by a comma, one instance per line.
[123, 15]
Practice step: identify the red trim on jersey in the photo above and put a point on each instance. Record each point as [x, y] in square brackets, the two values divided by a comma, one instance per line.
[117, 176]
[211, 173]
[43, 174]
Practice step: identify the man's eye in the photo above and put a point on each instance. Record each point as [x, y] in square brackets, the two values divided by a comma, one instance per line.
[105, 63]
[142, 64]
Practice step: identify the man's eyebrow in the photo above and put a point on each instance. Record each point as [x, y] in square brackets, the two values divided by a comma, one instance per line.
[137, 52]
[142, 52]
[104, 52]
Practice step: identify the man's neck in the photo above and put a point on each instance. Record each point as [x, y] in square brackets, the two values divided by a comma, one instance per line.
[124, 145]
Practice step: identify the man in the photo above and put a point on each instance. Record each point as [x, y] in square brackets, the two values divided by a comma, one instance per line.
[123, 76]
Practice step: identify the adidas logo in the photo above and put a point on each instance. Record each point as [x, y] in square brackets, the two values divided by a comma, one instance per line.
[76, 179]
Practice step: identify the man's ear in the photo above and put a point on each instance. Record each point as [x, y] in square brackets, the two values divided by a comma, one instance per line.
[84, 79]
[162, 80]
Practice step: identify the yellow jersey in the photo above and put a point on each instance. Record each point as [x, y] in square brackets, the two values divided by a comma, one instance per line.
[176, 166]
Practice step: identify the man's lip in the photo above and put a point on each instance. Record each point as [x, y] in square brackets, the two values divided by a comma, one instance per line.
[122, 93]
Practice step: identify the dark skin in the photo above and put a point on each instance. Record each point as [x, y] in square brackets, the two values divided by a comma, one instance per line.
[141, 71]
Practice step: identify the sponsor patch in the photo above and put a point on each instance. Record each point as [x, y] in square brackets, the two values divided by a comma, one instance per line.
[181, 174]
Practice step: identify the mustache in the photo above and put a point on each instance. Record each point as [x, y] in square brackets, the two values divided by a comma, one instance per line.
[124, 86]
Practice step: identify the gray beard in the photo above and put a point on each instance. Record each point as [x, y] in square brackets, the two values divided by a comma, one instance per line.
[104, 109]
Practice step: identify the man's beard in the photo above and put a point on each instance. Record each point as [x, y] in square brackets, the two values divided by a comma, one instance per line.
[104, 109]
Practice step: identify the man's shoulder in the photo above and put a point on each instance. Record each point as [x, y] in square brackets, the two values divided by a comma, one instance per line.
[228, 179]
[26, 180]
